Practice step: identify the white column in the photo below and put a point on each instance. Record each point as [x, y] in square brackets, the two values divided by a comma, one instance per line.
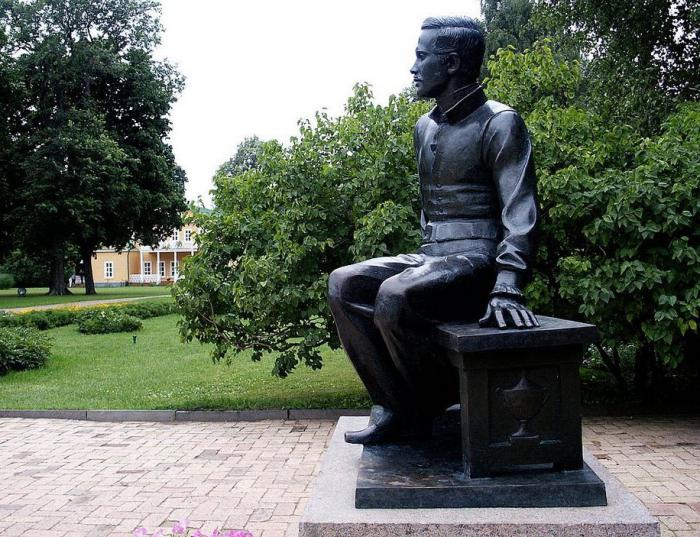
[175, 264]
[141, 263]
[158, 266]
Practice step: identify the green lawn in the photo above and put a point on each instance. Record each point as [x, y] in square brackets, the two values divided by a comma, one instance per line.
[36, 296]
[159, 372]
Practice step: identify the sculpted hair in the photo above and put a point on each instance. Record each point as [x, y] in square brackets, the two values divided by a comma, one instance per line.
[462, 35]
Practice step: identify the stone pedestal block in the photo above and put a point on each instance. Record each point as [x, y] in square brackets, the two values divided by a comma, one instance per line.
[519, 394]
[428, 474]
[331, 510]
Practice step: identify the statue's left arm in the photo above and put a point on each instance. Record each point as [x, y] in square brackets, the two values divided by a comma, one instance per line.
[508, 152]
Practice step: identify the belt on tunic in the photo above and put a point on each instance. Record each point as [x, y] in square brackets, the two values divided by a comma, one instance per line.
[460, 229]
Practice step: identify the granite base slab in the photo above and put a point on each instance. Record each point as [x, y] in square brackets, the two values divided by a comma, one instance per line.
[331, 509]
[396, 476]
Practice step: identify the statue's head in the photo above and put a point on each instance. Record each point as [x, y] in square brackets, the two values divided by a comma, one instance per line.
[449, 48]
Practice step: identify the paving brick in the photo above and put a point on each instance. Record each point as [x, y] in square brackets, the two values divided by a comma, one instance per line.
[108, 478]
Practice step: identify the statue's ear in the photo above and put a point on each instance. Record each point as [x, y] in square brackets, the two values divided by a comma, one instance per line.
[454, 62]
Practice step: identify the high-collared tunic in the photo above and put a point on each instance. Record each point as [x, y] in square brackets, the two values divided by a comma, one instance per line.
[477, 181]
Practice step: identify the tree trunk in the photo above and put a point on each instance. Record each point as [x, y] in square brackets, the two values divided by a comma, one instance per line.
[57, 286]
[86, 253]
[612, 362]
[643, 368]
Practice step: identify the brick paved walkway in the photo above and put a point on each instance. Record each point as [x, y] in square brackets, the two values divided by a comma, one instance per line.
[75, 478]
[659, 461]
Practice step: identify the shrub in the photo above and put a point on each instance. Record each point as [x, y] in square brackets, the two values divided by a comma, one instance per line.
[6, 281]
[147, 310]
[344, 189]
[107, 321]
[22, 348]
[44, 320]
[7, 319]
[59, 317]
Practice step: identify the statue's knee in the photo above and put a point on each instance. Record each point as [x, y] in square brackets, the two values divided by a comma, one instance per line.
[338, 282]
[335, 284]
[391, 304]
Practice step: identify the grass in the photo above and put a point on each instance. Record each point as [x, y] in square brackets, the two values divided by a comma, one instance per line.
[159, 372]
[36, 296]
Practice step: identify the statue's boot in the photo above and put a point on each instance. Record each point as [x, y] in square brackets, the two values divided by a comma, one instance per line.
[385, 425]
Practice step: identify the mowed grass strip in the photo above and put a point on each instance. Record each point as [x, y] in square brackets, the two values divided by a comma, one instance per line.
[36, 296]
[159, 372]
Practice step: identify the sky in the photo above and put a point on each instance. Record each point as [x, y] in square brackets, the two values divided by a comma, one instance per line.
[259, 66]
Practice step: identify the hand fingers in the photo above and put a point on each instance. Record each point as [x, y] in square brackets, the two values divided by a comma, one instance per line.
[521, 317]
[526, 318]
[499, 319]
[486, 319]
[516, 317]
[534, 319]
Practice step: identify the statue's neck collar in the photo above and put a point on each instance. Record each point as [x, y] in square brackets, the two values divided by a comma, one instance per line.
[473, 98]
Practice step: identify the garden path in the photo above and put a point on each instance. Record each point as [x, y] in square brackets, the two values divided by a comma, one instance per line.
[78, 478]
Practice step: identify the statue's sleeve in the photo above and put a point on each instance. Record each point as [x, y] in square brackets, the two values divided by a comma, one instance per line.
[508, 152]
[417, 135]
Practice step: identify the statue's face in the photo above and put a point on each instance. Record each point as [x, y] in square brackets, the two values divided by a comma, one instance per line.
[430, 71]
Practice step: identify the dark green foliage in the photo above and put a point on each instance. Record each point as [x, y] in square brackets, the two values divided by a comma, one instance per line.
[107, 321]
[508, 25]
[8, 319]
[147, 310]
[641, 58]
[620, 242]
[344, 189]
[41, 320]
[6, 280]
[10, 122]
[22, 348]
[639, 277]
[28, 270]
[92, 162]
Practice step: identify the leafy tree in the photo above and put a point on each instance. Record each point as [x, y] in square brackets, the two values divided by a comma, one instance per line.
[619, 241]
[344, 189]
[640, 276]
[246, 157]
[640, 58]
[27, 269]
[508, 24]
[94, 165]
[10, 97]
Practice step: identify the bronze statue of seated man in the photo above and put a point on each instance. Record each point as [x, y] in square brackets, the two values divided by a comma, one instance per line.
[479, 218]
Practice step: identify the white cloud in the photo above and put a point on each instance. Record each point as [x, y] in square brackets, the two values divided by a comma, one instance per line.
[258, 66]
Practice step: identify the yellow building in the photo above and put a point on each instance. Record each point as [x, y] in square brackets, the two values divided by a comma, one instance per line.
[143, 264]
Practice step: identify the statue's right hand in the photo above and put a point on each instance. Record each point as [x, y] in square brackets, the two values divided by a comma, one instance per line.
[504, 312]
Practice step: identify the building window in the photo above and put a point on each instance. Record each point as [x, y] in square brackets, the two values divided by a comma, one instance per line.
[175, 236]
[147, 268]
[188, 235]
[109, 269]
[161, 269]
[173, 269]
